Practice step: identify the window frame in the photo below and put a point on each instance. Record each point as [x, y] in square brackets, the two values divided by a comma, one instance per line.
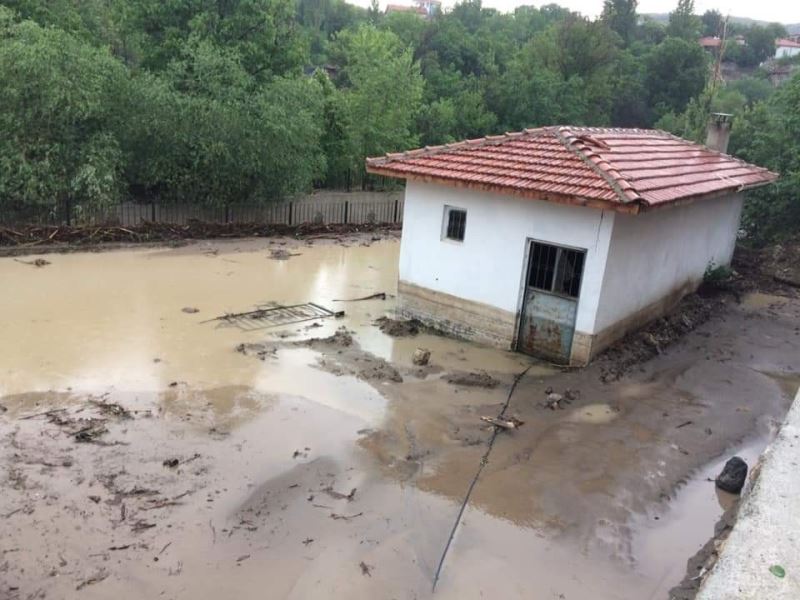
[448, 210]
[554, 275]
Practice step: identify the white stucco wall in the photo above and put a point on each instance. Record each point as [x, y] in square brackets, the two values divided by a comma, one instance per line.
[786, 51]
[653, 253]
[487, 266]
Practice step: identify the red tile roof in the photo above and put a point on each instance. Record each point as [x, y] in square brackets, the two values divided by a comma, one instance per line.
[787, 43]
[710, 42]
[623, 169]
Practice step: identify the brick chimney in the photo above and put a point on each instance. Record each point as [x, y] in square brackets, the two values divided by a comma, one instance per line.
[719, 131]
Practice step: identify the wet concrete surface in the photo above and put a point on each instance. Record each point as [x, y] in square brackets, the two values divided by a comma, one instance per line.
[605, 498]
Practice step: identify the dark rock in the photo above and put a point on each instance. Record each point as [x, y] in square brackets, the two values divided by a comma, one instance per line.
[732, 477]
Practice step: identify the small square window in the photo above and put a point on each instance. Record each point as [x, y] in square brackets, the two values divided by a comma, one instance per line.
[455, 223]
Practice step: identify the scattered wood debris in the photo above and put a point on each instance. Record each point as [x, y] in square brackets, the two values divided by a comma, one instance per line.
[338, 495]
[97, 578]
[473, 379]
[38, 262]
[378, 296]
[141, 525]
[190, 310]
[281, 254]
[366, 569]
[337, 517]
[504, 422]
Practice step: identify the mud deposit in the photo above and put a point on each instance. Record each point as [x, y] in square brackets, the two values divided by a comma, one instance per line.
[145, 452]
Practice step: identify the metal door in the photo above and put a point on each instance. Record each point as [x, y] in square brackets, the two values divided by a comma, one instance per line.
[550, 301]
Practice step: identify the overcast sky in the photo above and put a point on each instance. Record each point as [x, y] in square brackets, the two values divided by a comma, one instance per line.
[784, 11]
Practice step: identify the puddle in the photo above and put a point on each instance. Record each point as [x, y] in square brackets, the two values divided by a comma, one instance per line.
[687, 522]
[760, 300]
[594, 414]
[118, 319]
[269, 451]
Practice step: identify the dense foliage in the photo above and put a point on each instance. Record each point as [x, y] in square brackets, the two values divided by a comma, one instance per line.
[222, 101]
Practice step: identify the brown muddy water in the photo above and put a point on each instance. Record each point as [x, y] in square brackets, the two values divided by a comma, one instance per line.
[605, 499]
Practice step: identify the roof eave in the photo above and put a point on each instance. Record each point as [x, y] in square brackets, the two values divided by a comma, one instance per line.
[646, 206]
[629, 207]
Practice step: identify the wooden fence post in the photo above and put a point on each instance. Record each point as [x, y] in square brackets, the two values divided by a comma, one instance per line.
[68, 207]
[153, 211]
[346, 211]
[291, 206]
[396, 211]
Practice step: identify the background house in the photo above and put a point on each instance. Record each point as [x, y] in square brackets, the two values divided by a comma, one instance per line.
[786, 48]
[557, 241]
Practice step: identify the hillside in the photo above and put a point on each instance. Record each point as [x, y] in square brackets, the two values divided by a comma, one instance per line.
[792, 28]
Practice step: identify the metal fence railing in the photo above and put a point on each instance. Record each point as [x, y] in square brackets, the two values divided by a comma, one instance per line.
[322, 208]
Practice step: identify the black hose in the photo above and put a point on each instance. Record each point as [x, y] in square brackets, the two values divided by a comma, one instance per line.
[484, 461]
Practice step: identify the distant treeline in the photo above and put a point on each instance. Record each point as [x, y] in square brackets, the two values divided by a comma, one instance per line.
[225, 101]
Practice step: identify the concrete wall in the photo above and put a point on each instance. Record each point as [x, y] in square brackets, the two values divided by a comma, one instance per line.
[486, 269]
[656, 257]
[786, 52]
[767, 529]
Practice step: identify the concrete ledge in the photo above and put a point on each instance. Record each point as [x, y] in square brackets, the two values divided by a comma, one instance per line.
[767, 531]
[459, 317]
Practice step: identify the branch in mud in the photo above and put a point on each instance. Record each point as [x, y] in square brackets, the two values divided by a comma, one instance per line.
[35, 235]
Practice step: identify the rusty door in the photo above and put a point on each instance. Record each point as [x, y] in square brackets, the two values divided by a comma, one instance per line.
[550, 301]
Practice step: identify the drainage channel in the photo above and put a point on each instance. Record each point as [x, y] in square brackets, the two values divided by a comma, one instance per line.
[483, 463]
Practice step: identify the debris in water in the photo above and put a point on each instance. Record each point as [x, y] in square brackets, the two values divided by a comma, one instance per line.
[684, 424]
[281, 254]
[733, 476]
[243, 557]
[338, 495]
[400, 328]
[100, 576]
[95, 499]
[111, 408]
[307, 541]
[190, 310]
[275, 316]
[39, 262]
[378, 296]
[171, 463]
[554, 401]
[473, 379]
[141, 525]
[365, 569]
[504, 422]
[421, 357]
[337, 517]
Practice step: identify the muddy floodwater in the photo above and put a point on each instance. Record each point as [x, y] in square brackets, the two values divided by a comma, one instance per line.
[148, 450]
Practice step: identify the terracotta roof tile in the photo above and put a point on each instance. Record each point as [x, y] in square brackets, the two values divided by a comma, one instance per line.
[615, 167]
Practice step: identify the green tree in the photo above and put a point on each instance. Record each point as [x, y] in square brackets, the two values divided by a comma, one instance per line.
[58, 101]
[768, 134]
[712, 23]
[382, 93]
[262, 32]
[204, 132]
[620, 16]
[683, 23]
[676, 72]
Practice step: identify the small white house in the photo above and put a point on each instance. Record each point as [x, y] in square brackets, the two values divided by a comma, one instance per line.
[558, 241]
[786, 48]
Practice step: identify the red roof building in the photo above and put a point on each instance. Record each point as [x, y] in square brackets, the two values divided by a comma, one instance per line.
[621, 169]
[558, 241]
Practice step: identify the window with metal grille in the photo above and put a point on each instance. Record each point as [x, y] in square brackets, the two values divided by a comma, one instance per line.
[455, 223]
[555, 269]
